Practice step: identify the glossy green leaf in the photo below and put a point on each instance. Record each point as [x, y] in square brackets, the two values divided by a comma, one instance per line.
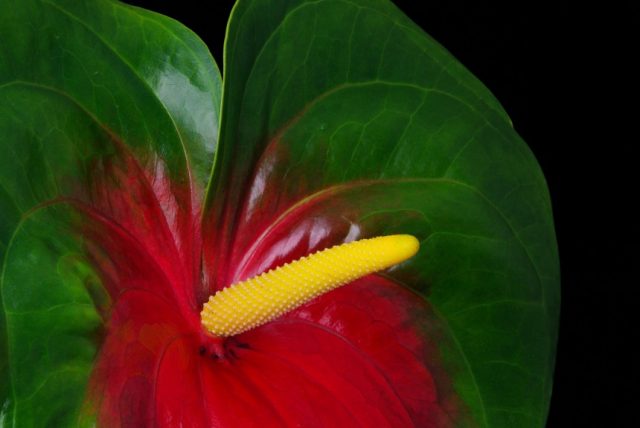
[74, 78]
[348, 112]
[341, 119]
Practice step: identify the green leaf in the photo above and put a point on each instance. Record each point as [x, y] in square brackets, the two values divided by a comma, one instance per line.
[347, 112]
[77, 80]
[341, 119]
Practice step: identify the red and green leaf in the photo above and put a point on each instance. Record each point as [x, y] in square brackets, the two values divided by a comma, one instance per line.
[340, 120]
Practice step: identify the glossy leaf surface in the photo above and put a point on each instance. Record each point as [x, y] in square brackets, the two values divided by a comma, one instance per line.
[364, 125]
[74, 78]
[341, 120]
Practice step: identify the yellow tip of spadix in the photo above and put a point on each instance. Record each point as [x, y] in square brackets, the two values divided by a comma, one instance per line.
[256, 301]
[400, 247]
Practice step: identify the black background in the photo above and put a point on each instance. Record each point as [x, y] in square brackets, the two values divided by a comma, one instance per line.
[559, 72]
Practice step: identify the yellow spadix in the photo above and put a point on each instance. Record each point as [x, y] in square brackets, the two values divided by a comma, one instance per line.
[263, 298]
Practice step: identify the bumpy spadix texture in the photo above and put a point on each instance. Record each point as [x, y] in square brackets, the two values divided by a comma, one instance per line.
[265, 297]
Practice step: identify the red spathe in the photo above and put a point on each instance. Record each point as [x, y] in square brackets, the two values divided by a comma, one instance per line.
[362, 355]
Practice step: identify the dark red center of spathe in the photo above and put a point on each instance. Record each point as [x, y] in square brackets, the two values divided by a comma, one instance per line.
[362, 355]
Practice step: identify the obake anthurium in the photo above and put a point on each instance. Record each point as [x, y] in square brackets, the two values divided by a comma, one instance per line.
[135, 184]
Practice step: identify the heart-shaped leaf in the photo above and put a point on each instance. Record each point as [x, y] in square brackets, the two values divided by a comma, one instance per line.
[341, 120]
[349, 121]
[77, 80]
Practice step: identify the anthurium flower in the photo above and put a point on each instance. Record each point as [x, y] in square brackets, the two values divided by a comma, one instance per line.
[135, 183]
